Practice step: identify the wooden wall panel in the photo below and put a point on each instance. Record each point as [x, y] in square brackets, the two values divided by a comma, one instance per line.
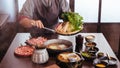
[112, 32]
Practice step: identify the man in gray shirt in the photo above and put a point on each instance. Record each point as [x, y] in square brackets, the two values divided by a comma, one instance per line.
[42, 13]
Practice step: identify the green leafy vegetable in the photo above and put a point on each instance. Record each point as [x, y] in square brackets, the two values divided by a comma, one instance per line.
[85, 54]
[74, 18]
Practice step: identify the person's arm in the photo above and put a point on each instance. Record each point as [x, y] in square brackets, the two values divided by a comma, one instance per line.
[28, 23]
[26, 16]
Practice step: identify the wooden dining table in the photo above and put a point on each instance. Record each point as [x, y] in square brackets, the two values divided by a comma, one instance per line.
[12, 61]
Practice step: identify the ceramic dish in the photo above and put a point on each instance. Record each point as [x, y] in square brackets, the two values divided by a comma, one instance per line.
[93, 50]
[90, 44]
[62, 32]
[24, 51]
[69, 60]
[90, 38]
[110, 60]
[100, 54]
[99, 64]
[104, 61]
[88, 56]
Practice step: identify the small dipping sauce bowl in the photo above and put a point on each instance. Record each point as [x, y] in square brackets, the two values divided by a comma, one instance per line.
[90, 44]
[90, 38]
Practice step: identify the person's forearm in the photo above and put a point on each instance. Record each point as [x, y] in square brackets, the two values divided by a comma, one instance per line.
[27, 23]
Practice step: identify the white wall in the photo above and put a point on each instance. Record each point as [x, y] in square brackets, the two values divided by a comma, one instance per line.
[8, 7]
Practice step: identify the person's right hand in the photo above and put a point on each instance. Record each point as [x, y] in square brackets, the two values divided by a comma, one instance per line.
[37, 23]
[27, 23]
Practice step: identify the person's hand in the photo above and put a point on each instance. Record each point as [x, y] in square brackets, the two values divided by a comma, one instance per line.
[37, 23]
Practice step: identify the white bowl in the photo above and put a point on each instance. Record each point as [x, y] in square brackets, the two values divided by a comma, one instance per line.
[90, 38]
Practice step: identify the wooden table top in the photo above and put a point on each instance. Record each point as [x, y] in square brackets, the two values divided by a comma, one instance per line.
[11, 61]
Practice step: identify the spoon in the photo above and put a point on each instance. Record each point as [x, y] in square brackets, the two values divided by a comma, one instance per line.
[108, 57]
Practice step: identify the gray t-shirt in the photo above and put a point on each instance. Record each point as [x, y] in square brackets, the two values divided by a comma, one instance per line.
[47, 11]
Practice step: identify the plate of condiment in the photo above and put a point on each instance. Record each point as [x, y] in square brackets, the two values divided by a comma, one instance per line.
[88, 56]
[100, 64]
[110, 60]
[105, 61]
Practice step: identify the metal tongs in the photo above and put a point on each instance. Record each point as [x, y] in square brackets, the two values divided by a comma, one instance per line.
[49, 29]
[44, 28]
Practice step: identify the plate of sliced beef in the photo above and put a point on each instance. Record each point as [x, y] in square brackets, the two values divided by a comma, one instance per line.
[39, 41]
